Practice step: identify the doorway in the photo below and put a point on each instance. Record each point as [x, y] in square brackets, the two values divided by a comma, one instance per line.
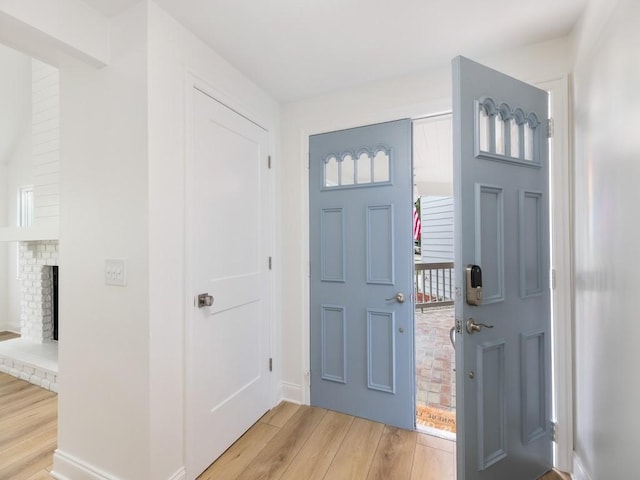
[434, 275]
[559, 240]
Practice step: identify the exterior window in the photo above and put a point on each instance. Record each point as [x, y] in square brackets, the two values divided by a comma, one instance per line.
[25, 206]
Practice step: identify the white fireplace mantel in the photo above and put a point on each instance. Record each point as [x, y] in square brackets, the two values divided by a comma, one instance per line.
[29, 234]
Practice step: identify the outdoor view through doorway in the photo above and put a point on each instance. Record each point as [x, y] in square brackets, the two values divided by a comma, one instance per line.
[434, 275]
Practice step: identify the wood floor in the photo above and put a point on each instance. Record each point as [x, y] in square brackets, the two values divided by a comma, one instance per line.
[290, 442]
[293, 442]
[28, 430]
[8, 335]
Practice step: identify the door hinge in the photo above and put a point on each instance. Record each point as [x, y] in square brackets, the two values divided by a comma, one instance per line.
[550, 128]
[270, 263]
[271, 364]
[269, 162]
[554, 432]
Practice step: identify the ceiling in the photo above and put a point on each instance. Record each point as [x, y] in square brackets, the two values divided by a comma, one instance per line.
[296, 49]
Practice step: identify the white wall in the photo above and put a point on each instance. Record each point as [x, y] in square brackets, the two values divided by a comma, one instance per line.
[104, 193]
[15, 169]
[411, 96]
[4, 254]
[122, 151]
[176, 59]
[45, 124]
[19, 173]
[607, 174]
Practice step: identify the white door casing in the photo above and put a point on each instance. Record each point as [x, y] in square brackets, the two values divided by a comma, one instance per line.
[228, 246]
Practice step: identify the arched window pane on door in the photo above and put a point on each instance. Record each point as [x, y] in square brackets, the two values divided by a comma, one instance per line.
[500, 134]
[484, 130]
[364, 168]
[347, 170]
[381, 167]
[528, 142]
[331, 172]
[506, 134]
[514, 131]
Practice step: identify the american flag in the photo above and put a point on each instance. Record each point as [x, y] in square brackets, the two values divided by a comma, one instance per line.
[417, 227]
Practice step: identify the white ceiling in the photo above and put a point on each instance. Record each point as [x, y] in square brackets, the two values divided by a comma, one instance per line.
[300, 48]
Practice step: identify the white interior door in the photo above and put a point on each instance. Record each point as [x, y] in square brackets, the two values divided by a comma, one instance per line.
[501, 201]
[228, 241]
[361, 250]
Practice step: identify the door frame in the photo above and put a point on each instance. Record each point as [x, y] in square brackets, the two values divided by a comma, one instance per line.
[195, 82]
[561, 189]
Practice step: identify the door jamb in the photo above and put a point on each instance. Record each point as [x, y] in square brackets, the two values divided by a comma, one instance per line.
[561, 245]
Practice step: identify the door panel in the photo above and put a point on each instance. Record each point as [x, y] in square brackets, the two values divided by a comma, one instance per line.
[361, 252]
[228, 232]
[502, 217]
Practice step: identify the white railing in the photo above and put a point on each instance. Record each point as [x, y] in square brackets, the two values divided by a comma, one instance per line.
[433, 284]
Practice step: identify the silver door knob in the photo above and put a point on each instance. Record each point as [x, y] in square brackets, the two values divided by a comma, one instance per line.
[205, 300]
[473, 327]
[398, 297]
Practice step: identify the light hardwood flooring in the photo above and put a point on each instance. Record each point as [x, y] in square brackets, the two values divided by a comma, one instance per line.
[290, 442]
[8, 335]
[293, 442]
[28, 430]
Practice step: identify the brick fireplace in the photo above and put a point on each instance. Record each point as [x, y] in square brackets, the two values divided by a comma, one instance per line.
[37, 303]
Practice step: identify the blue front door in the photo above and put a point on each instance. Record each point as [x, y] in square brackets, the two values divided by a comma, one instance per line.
[361, 250]
[503, 345]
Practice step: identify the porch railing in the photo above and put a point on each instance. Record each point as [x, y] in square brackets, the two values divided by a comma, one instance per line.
[433, 284]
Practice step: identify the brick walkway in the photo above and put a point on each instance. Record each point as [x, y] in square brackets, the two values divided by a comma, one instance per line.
[435, 358]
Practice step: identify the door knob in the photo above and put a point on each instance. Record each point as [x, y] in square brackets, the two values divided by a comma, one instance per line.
[398, 297]
[473, 327]
[205, 300]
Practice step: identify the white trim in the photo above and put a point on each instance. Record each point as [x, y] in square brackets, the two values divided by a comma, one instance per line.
[436, 432]
[292, 393]
[561, 242]
[181, 474]
[579, 472]
[68, 467]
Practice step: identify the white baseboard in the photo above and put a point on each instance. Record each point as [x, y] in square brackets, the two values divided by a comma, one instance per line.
[179, 475]
[68, 467]
[291, 392]
[579, 472]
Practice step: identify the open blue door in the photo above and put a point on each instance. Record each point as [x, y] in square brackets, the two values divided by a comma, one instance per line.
[503, 341]
[361, 250]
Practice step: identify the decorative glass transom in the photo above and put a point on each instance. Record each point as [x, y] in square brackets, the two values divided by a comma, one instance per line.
[506, 134]
[365, 167]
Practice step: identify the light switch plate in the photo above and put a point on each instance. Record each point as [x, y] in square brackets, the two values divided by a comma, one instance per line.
[115, 272]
